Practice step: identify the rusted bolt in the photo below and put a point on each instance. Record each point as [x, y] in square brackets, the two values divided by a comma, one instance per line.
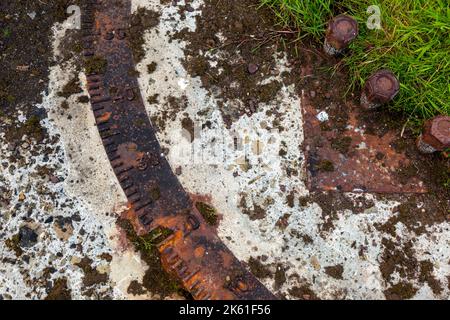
[341, 31]
[435, 135]
[379, 89]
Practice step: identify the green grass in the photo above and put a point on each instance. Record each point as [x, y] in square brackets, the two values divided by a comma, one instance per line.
[6, 33]
[414, 43]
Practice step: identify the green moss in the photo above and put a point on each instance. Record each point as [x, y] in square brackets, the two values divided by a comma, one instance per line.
[155, 194]
[13, 245]
[406, 172]
[153, 99]
[324, 126]
[141, 21]
[77, 47]
[6, 33]
[139, 123]
[198, 66]
[72, 87]
[132, 72]
[59, 291]
[258, 269]
[441, 174]
[33, 128]
[156, 279]
[96, 65]
[208, 212]
[152, 67]
[400, 291]
[10, 98]
[342, 144]
[83, 99]
[269, 91]
[4, 93]
[325, 165]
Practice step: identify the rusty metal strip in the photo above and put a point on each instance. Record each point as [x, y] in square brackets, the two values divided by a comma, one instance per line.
[193, 254]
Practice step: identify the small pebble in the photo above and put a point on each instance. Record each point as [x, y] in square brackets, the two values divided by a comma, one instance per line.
[22, 196]
[252, 68]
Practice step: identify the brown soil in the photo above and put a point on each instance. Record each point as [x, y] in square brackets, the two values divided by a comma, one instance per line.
[247, 57]
[401, 259]
[334, 202]
[280, 276]
[91, 275]
[135, 288]
[335, 271]
[25, 61]
[256, 213]
[303, 293]
[400, 291]
[258, 269]
[141, 21]
[59, 291]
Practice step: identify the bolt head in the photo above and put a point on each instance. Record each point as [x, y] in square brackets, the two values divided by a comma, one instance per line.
[437, 132]
[341, 30]
[381, 87]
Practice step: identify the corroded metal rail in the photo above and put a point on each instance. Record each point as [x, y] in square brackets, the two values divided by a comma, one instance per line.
[193, 254]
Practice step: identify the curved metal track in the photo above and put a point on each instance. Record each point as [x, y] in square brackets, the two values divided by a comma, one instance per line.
[193, 253]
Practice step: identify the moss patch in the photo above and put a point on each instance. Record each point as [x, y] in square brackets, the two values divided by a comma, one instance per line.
[269, 91]
[342, 144]
[13, 245]
[153, 99]
[258, 269]
[141, 21]
[32, 128]
[151, 67]
[91, 275]
[83, 99]
[72, 87]
[135, 288]
[208, 212]
[303, 292]
[96, 65]
[326, 166]
[155, 193]
[156, 280]
[59, 291]
[335, 271]
[400, 291]
[280, 277]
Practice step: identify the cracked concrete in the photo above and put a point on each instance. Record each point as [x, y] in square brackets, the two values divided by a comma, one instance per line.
[288, 235]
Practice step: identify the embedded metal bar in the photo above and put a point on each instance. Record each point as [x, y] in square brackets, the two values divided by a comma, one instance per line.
[193, 254]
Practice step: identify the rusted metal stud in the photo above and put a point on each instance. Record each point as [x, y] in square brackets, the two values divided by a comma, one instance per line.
[435, 136]
[341, 31]
[379, 89]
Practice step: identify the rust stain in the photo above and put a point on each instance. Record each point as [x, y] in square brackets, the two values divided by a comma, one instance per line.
[361, 169]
